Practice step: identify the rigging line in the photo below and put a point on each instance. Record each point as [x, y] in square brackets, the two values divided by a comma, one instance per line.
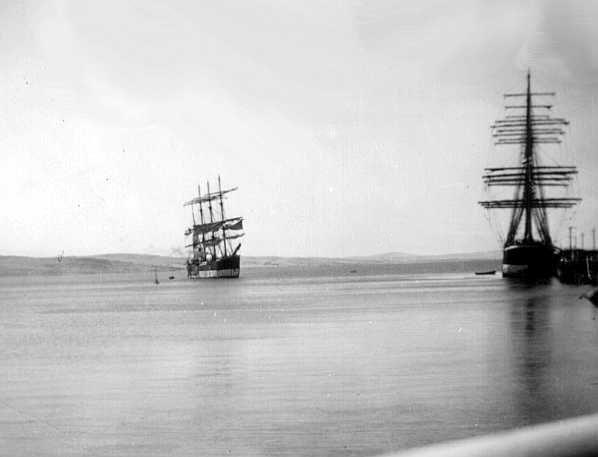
[495, 226]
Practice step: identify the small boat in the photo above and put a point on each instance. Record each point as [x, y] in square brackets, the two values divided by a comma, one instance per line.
[489, 272]
[170, 278]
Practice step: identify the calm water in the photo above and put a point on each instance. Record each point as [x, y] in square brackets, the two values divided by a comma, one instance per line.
[292, 366]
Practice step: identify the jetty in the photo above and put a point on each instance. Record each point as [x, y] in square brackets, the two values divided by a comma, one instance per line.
[578, 266]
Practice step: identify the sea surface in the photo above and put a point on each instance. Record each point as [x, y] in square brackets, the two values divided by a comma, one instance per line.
[337, 363]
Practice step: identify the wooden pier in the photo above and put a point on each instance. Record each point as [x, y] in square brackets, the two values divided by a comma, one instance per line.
[578, 266]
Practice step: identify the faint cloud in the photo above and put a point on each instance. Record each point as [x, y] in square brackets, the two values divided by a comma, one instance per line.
[562, 40]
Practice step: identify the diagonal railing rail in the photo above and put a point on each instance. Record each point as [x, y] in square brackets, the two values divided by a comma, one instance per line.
[576, 437]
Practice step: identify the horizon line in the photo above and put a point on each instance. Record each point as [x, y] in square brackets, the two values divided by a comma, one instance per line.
[381, 254]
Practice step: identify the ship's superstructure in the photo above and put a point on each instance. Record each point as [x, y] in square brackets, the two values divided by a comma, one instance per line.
[215, 253]
[529, 250]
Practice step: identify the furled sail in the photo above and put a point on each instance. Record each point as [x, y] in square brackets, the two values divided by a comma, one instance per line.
[238, 225]
[235, 223]
[209, 243]
[212, 242]
[209, 197]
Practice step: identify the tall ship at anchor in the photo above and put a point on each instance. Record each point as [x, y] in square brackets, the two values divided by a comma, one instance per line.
[529, 250]
[215, 253]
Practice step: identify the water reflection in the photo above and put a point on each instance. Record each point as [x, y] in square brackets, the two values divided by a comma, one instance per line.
[530, 322]
[544, 388]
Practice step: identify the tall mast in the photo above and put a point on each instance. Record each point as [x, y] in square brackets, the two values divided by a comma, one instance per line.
[203, 235]
[194, 237]
[222, 215]
[211, 219]
[200, 205]
[528, 163]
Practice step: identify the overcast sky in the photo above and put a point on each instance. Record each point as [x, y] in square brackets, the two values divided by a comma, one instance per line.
[350, 127]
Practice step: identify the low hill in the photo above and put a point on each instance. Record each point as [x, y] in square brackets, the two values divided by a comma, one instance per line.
[131, 263]
[23, 266]
[402, 257]
[144, 259]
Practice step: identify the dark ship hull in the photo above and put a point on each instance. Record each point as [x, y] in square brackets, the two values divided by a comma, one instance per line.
[224, 267]
[529, 261]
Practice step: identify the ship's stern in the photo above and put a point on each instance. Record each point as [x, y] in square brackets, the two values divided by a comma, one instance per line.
[529, 261]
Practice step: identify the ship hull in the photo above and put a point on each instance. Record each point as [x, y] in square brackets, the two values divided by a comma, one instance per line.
[529, 261]
[225, 267]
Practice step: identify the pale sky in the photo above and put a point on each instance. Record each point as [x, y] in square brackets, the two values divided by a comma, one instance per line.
[350, 127]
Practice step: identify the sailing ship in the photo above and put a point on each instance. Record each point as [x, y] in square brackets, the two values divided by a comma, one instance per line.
[212, 235]
[529, 250]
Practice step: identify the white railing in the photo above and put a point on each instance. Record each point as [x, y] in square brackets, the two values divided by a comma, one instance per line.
[567, 438]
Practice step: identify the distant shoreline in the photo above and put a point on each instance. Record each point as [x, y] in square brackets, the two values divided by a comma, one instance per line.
[132, 263]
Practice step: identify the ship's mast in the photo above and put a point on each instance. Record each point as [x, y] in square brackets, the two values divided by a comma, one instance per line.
[527, 130]
[212, 244]
[211, 220]
[222, 215]
[528, 163]
[203, 235]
